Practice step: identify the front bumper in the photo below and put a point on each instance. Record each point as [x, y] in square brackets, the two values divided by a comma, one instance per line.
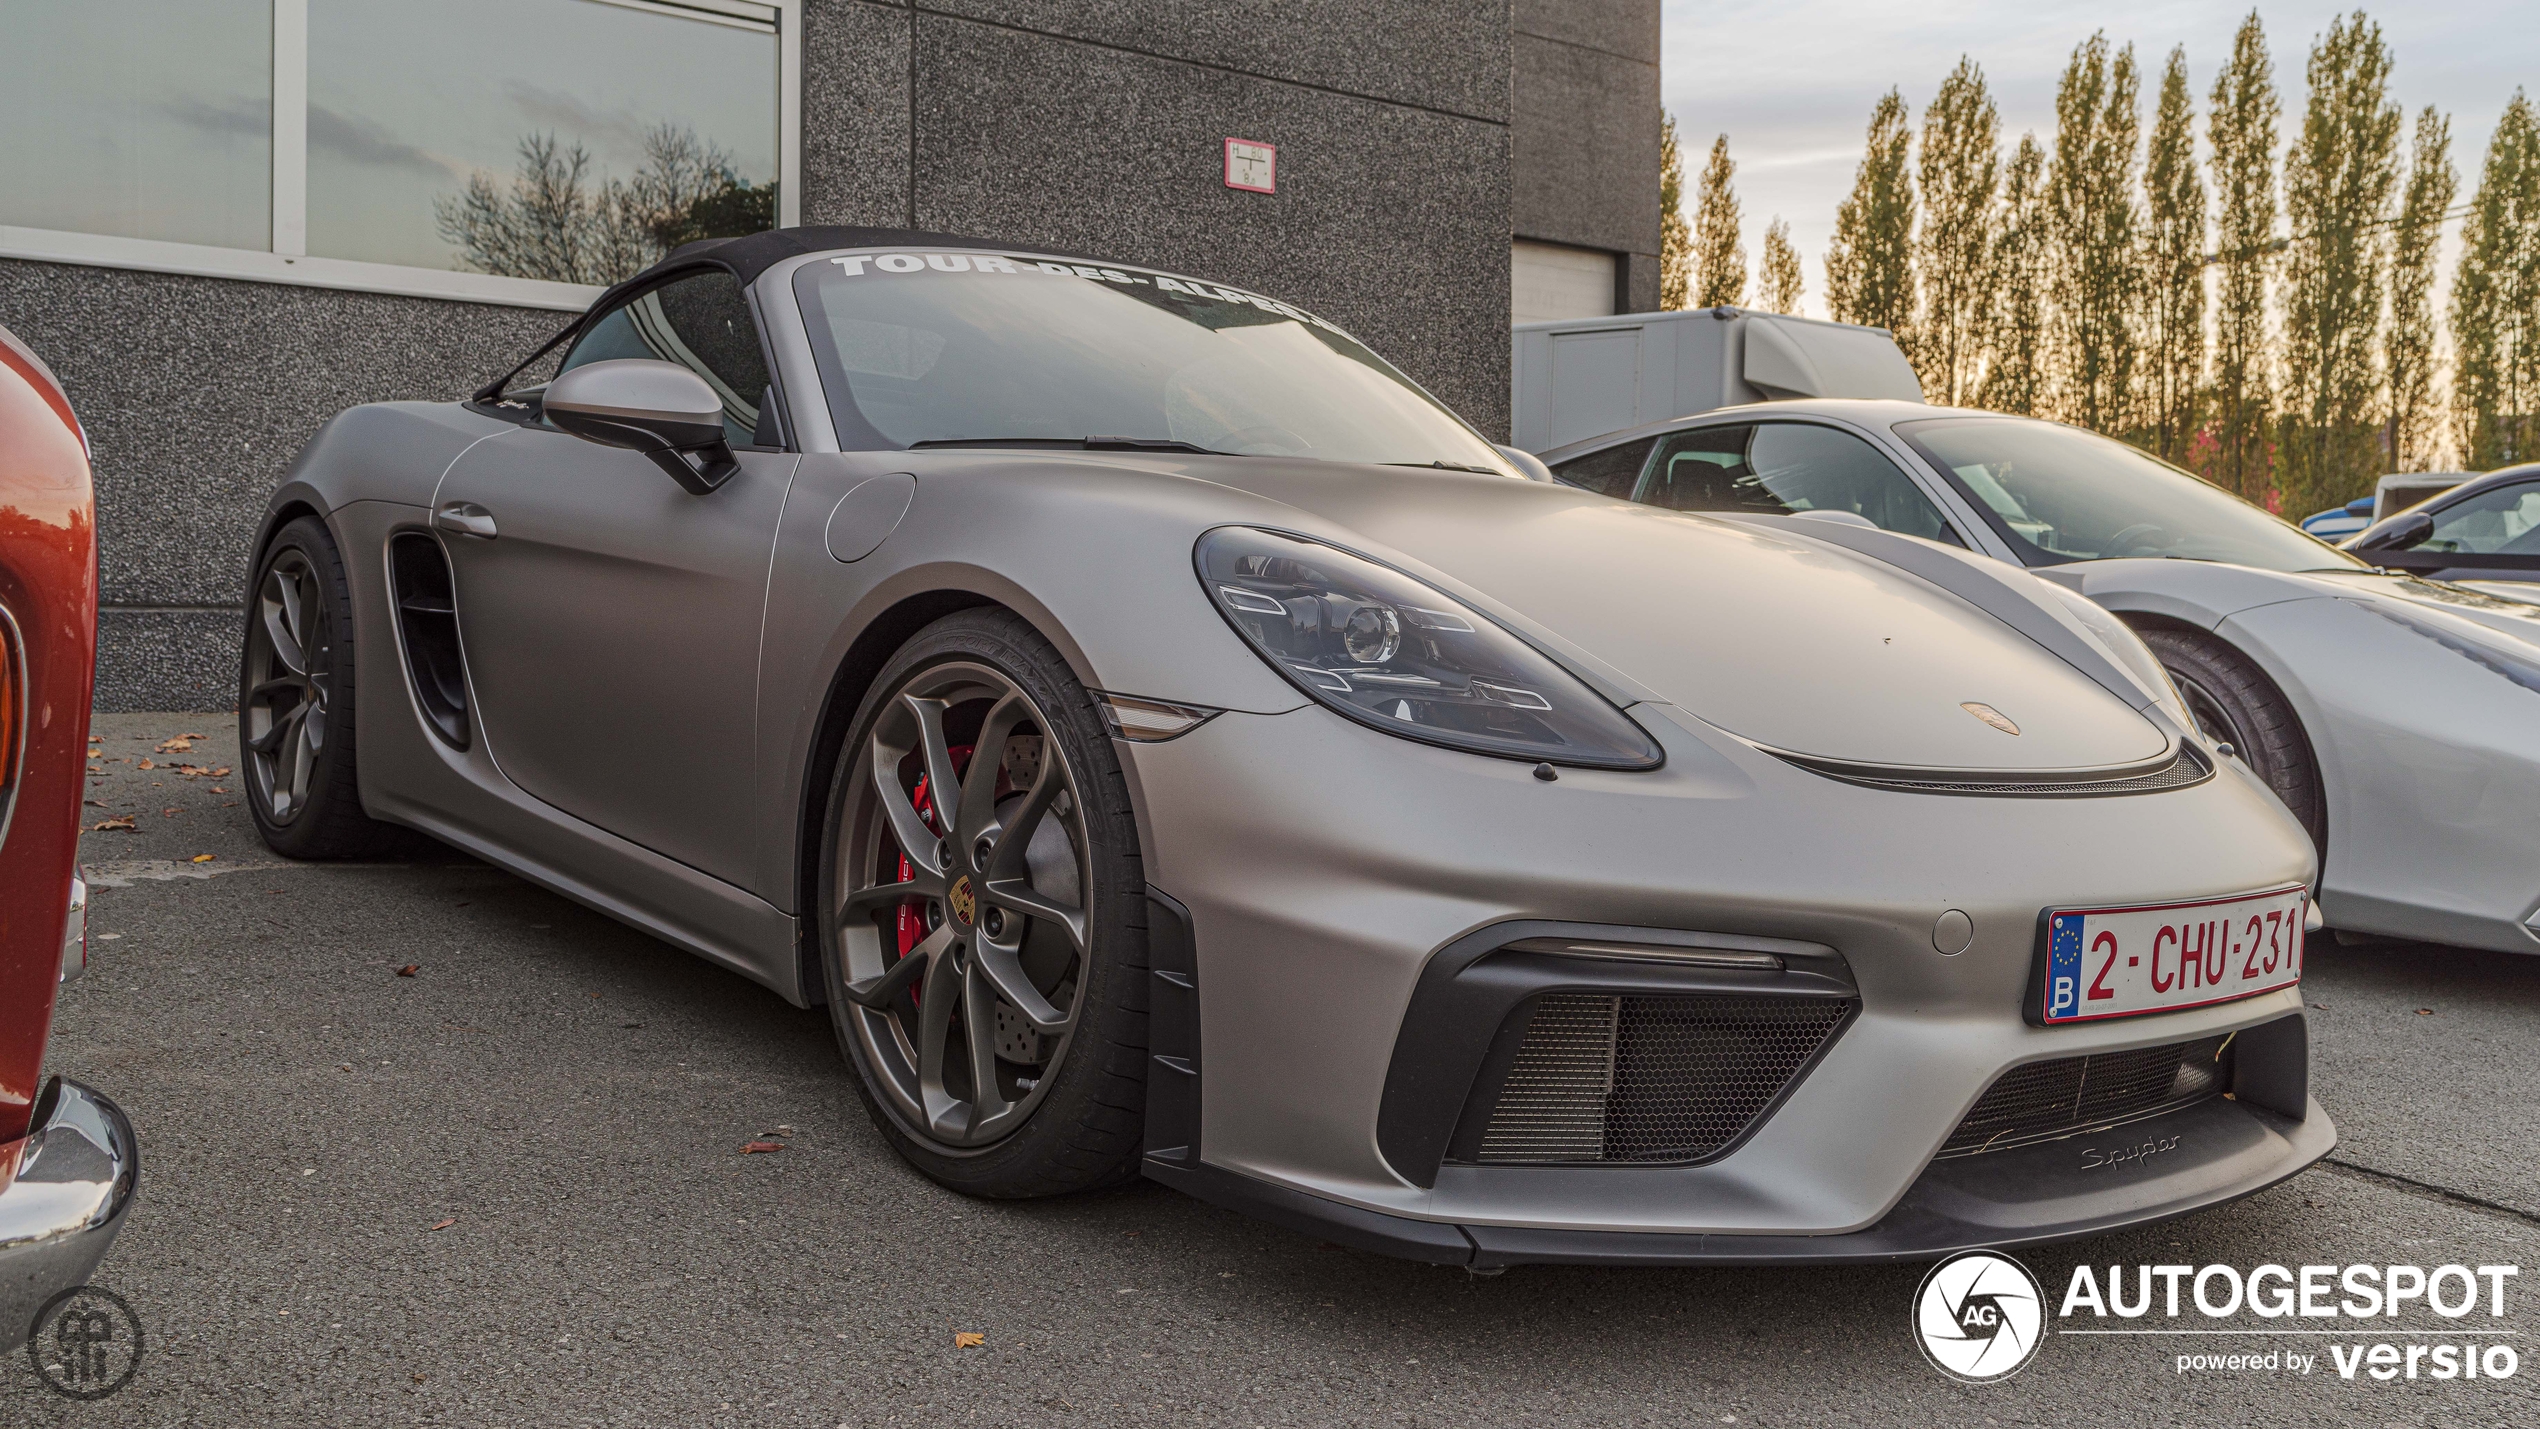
[76, 1173]
[1311, 875]
[2210, 1153]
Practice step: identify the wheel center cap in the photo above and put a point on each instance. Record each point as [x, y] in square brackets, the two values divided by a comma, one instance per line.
[964, 905]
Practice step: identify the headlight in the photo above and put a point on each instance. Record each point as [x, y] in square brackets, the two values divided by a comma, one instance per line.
[1391, 653]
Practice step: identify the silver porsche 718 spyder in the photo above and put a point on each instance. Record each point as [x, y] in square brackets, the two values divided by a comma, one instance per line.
[1167, 740]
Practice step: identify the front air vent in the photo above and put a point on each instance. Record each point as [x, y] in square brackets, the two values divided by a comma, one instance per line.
[2178, 771]
[428, 625]
[2044, 1101]
[1648, 1078]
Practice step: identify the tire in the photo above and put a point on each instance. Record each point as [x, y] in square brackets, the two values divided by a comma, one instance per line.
[2232, 700]
[296, 696]
[1067, 914]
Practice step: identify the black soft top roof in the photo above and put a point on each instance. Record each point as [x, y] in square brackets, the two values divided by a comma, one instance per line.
[752, 254]
[755, 253]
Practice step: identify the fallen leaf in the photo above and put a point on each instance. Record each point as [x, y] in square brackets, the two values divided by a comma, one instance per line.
[146, 764]
[170, 813]
[969, 1340]
[409, 970]
[219, 790]
[441, 1226]
[95, 803]
[753, 1148]
[178, 745]
[123, 824]
[202, 858]
[2425, 1012]
[220, 773]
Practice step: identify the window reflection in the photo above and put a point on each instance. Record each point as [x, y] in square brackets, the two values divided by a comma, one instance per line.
[561, 139]
[1782, 468]
[139, 118]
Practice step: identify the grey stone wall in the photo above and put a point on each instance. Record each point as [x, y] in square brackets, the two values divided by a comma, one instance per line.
[1086, 124]
[1584, 121]
[1098, 124]
[197, 393]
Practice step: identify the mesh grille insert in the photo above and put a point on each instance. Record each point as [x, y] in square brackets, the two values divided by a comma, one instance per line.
[2046, 1100]
[1662, 1077]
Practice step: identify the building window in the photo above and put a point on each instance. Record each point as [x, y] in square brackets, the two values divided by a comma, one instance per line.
[520, 151]
[140, 118]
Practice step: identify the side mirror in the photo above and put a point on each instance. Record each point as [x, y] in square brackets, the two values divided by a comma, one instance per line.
[660, 409]
[1527, 462]
[2396, 534]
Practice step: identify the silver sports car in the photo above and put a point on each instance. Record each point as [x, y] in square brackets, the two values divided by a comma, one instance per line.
[1169, 741]
[2392, 714]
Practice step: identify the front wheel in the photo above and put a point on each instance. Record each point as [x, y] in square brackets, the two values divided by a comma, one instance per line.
[982, 916]
[295, 703]
[2233, 701]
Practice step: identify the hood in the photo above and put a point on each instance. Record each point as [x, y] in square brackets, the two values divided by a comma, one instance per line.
[1783, 641]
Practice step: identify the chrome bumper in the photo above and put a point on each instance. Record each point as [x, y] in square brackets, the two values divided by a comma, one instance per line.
[76, 1173]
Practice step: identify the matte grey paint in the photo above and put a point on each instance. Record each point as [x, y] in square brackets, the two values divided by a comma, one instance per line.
[652, 671]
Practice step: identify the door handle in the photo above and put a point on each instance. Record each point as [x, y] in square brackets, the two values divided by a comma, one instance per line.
[467, 518]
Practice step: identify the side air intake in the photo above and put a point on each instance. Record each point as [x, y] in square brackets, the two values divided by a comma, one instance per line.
[428, 626]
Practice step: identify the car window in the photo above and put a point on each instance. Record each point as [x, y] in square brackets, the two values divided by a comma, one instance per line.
[988, 349]
[1782, 468]
[700, 322]
[2502, 522]
[1611, 472]
[2058, 493]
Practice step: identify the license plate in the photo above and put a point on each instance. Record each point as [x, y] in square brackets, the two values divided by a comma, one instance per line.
[2160, 957]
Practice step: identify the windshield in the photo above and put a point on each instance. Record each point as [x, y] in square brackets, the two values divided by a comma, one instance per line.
[982, 348]
[2059, 494]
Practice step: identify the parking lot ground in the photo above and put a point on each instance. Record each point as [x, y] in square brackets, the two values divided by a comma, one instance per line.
[508, 1190]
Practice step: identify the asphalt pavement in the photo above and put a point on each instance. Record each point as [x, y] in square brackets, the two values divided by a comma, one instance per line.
[507, 1189]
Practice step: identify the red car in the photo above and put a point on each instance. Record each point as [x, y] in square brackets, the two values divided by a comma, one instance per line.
[68, 1162]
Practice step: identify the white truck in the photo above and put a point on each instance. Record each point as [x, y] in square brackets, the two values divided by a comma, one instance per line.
[1588, 376]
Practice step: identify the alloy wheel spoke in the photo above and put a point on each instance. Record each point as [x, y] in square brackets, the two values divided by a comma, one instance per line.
[1006, 861]
[1003, 972]
[938, 999]
[987, 755]
[943, 782]
[1016, 896]
[881, 991]
[272, 739]
[286, 648]
[265, 692]
[303, 757]
[907, 825]
[927, 883]
[979, 1021]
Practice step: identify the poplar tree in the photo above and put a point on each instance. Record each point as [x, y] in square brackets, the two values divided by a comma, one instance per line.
[2015, 341]
[1719, 250]
[1960, 166]
[2241, 122]
[2338, 181]
[2092, 224]
[2174, 262]
[1870, 262]
[1675, 236]
[2496, 299]
[2408, 428]
[1781, 281]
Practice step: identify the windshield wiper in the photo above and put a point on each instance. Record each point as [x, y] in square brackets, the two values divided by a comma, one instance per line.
[1091, 444]
[1447, 466]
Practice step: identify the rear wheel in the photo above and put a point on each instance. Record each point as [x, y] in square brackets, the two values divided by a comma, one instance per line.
[983, 932]
[295, 703]
[2233, 701]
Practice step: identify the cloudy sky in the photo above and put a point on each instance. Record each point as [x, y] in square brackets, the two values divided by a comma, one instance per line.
[1791, 82]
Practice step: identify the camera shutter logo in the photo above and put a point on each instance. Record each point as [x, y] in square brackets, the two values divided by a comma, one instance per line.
[85, 1343]
[1979, 1317]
